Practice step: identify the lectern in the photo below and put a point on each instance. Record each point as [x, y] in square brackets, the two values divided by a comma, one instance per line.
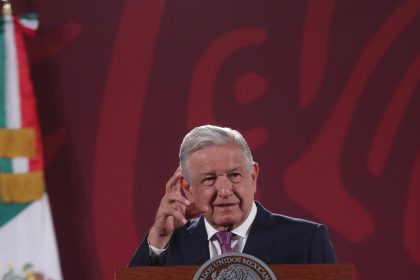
[282, 272]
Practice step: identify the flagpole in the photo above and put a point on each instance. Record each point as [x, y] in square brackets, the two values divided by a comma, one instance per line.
[7, 8]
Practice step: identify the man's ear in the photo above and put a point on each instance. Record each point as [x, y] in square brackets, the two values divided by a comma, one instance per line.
[185, 185]
[255, 169]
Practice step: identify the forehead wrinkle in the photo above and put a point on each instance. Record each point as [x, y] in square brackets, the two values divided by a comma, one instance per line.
[207, 162]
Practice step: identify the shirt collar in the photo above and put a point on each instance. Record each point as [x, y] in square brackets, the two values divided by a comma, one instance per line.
[242, 230]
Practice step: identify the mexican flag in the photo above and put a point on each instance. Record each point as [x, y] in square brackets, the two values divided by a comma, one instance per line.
[28, 248]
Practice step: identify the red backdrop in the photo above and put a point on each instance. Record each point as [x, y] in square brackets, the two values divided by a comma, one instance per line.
[326, 92]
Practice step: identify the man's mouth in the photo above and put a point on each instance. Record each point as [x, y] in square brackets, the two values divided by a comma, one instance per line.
[225, 204]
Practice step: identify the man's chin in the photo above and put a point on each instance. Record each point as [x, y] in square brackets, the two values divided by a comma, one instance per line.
[225, 223]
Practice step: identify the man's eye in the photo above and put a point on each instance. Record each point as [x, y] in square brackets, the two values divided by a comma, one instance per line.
[209, 181]
[235, 177]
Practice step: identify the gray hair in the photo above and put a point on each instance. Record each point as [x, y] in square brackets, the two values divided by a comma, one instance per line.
[210, 135]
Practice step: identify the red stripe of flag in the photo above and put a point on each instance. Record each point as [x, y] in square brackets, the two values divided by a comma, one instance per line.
[27, 98]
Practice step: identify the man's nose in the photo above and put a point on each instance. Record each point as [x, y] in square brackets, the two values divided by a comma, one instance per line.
[223, 186]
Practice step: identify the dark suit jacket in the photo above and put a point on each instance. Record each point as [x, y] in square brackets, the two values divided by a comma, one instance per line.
[273, 238]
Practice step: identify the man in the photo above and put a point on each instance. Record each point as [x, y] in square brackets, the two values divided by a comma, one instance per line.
[216, 183]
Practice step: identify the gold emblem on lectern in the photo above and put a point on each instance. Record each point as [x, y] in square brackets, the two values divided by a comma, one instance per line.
[234, 266]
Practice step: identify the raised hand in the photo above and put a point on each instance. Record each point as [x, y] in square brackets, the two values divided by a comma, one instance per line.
[174, 210]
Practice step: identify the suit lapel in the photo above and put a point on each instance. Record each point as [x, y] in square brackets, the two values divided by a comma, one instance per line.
[196, 251]
[259, 242]
[195, 248]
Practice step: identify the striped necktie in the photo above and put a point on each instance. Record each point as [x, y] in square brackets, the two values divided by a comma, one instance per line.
[224, 238]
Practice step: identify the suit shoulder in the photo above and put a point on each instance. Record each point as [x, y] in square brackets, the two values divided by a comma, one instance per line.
[283, 225]
[284, 221]
[280, 218]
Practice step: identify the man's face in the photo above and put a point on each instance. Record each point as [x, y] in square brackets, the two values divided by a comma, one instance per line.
[222, 180]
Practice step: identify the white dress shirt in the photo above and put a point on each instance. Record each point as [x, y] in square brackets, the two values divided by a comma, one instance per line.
[239, 236]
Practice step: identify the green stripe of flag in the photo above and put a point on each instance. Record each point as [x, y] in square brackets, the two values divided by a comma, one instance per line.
[5, 164]
[29, 16]
[3, 123]
[9, 210]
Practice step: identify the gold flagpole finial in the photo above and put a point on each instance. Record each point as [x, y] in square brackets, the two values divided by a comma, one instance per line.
[7, 8]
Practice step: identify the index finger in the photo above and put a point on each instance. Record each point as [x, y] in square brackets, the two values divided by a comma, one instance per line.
[173, 183]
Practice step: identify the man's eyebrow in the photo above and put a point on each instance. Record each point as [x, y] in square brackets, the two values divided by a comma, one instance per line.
[210, 173]
[213, 173]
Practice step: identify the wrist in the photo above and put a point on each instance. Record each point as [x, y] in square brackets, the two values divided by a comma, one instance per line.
[158, 240]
